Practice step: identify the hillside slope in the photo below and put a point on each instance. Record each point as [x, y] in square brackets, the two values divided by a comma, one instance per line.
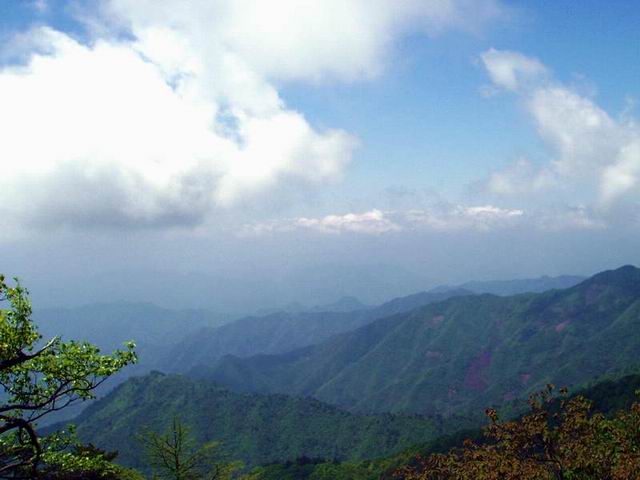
[282, 331]
[460, 354]
[254, 428]
[608, 397]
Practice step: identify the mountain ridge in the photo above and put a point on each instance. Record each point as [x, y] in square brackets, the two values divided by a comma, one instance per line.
[257, 429]
[282, 331]
[464, 352]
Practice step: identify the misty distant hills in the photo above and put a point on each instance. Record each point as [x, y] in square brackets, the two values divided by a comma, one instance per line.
[463, 353]
[110, 324]
[447, 354]
[231, 289]
[343, 304]
[281, 332]
[514, 287]
[178, 340]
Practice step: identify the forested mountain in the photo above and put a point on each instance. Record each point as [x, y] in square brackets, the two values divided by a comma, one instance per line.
[608, 397]
[283, 331]
[178, 340]
[254, 428]
[460, 354]
[304, 436]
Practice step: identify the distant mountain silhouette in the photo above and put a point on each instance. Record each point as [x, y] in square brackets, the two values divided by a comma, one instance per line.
[513, 287]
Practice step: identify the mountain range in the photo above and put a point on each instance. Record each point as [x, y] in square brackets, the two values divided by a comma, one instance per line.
[179, 339]
[282, 332]
[297, 326]
[257, 429]
[462, 353]
[369, 382]
[174, 340]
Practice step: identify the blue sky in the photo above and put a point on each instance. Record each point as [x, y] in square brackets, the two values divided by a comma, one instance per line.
[437, 130]
[451, 137]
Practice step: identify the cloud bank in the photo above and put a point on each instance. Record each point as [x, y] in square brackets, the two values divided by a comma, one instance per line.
[172, 109]
[442, 217]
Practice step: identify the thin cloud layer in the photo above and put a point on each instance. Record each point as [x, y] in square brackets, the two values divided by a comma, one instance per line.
[459, 217]
[172, 110]
[442, 217]
[373, 222]
[593, 154]
[439, 217]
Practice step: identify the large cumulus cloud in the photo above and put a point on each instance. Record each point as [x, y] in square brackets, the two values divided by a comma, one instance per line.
[171, 110]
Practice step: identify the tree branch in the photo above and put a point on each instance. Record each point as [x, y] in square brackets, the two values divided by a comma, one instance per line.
[22, 357]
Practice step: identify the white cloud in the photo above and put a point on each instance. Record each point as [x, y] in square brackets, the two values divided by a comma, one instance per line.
[301, 40]
[448, 217]
[173, 110]
[623, 175]
[441, 217]
[98, 135]
[593, 154]
[437, 218]
[373, 222]
[511, 70]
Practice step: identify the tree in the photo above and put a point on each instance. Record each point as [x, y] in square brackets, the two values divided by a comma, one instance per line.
[66, 459]
[38, 378]
[559, 439]
[175, 455]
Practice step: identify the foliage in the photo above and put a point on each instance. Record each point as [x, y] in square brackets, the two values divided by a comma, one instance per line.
[318, 469]
[565, 442]
[64, 458]
[267, 428]
[176, 455]
[608, 396]
[36, 380]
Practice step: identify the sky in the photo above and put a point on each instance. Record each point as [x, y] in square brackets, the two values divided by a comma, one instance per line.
[243, 154]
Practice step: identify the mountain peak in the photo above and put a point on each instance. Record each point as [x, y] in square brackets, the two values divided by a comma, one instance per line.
[344, 304]
[627, 276]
